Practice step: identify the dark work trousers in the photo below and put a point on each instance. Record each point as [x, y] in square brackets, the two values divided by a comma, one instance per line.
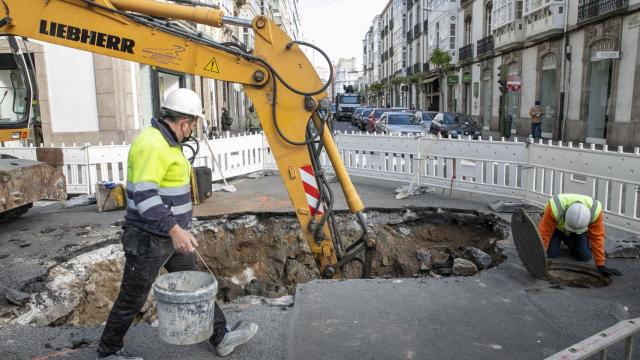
[578, 245]
[145, 255]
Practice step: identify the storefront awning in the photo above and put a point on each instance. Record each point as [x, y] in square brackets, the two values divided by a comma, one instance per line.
[430, 79]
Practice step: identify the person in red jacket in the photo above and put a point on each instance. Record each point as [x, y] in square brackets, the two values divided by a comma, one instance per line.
[577, 221]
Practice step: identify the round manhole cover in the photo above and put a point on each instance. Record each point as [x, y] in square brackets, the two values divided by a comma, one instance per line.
[529, 243]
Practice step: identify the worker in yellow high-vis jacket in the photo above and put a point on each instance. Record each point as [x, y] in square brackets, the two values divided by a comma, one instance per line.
[158, 215]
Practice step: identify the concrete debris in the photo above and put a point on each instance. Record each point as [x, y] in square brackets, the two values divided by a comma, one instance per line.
[462, 267]
[425, 258]
[82, 200]
[411, 190]
[259, 174]
[502, 206]
[16, 297]
[75, 290]
[243, 222]
[286, 300]
[623, 251]
[478, 257]
[404, 230]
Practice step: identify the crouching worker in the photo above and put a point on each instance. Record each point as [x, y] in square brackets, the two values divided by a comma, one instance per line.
[158, 215]
[577, 221]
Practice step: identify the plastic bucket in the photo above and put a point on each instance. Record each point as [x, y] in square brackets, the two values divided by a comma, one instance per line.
[186, 301]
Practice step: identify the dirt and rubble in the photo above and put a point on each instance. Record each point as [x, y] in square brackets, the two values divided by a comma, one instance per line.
[265, 255]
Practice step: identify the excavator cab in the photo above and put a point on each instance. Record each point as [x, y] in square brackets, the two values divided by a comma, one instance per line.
[23, 181]
[16, 92]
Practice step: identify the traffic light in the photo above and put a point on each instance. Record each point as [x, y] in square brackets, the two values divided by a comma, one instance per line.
[502, 81]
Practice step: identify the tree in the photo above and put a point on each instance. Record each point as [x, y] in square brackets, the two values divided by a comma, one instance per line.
[375, 90]
[397, 81]
[415, 80]
[441, 60]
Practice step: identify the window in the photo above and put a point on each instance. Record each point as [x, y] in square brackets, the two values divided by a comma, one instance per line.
[467, 30]
[437, 44]
[487, 19]
[452, 36]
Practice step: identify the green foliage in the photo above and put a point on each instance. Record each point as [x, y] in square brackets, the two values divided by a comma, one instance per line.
[376, 88]
[417, 78]
[441, 60]
[397, 80]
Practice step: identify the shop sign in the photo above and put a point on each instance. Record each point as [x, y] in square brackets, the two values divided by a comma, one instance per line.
[514, 83]
[466, 78]
[452, 79]
[604, 55]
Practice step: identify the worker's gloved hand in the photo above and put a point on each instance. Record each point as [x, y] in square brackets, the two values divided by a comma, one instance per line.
[183, 241]
[608, 271]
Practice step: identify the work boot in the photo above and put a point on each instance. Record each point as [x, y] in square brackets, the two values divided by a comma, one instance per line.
[235, 338]
[120, 355]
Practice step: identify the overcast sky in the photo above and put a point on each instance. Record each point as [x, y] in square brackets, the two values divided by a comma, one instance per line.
[338, 26]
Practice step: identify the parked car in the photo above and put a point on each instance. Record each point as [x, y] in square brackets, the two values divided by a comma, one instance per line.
[455, 124]
[425, 117]
[397, 122]
[356, 113]
[373, 118]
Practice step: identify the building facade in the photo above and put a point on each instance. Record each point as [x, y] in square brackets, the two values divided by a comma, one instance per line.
[578, 58]
[92, 98]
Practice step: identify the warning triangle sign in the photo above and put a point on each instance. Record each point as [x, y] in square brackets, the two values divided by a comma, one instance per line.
[212, 66]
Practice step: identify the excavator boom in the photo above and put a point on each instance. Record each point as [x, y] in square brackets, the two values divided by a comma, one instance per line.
[278, 78]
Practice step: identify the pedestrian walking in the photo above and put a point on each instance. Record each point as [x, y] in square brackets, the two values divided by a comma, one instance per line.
[576, 221]
[156, 224]
[536, 113]
[254, 122]
[226, 120]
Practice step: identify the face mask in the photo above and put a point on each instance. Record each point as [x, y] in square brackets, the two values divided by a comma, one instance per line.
[186, 135]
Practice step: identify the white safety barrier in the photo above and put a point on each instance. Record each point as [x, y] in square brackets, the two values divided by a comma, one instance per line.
[86, 165]
[511, 169]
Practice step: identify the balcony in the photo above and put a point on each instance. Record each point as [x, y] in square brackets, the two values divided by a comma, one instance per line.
[425, 67]
[416, 68]
[466, 53]
[416, 30]
[590, 9]
[544, 21]
[509, 36]
[408, 37]
[409, 71]
[485, 46]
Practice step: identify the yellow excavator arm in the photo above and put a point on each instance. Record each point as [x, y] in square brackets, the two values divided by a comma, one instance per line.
[276, 75]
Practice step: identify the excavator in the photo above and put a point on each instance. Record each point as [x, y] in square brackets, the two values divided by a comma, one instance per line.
[276, 75]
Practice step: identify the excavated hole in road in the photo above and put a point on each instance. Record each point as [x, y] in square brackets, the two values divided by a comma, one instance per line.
[266, 255]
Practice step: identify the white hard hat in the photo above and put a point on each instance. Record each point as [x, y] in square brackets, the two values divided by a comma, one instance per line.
[184, 101]
[577, 218]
